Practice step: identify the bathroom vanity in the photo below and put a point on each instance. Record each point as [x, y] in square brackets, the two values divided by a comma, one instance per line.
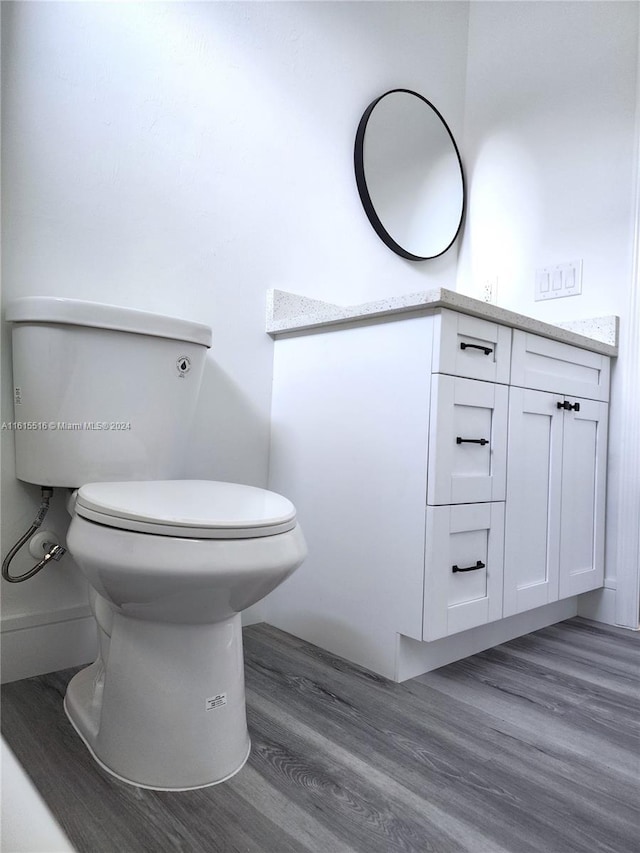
[448, 462]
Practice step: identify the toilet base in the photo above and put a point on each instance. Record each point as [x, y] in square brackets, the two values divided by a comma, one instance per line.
[167, 710]
[139, 784]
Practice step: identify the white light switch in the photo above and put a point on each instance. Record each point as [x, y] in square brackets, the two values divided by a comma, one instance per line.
[559, 280]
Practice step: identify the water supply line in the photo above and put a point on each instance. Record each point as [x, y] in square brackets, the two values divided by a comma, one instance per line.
[55, 552]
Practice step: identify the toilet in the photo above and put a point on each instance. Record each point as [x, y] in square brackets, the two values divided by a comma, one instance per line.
[110, 394]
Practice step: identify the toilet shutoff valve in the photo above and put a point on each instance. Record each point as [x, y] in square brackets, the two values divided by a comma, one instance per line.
[42, 542]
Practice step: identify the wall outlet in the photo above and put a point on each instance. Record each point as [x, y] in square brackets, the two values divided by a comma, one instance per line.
[489, 291]
[558, 280]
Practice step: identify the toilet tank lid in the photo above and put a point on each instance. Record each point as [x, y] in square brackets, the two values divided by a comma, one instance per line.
[78, 312]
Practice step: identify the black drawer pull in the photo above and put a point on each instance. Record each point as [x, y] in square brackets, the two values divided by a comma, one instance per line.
[567, 406]
[481, 441]
[485, 350]
[478, 565]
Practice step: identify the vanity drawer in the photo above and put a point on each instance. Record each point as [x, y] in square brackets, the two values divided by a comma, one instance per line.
[467, 441]
[463, 568]
[546, 365]
[468, 346]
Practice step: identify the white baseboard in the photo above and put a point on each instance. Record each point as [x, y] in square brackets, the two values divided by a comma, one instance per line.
[37, 649]
[28, 649]
[599, 605]
[415, 658]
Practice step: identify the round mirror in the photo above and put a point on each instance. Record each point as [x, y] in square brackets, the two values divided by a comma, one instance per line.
[409, 175]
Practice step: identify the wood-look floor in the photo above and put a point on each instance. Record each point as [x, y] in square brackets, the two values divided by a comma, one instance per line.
[531, 747]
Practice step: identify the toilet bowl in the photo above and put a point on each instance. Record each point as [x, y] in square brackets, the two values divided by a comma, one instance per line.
[109, 394]
[172, 565]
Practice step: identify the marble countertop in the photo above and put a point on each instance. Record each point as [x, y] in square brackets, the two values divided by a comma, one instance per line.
[288, 313]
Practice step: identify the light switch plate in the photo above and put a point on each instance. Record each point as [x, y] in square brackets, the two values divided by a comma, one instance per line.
[559, 280]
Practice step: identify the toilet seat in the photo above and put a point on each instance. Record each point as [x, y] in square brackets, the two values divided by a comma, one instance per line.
[189, 509]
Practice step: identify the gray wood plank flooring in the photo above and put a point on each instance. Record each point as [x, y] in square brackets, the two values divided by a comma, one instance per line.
[531, 747]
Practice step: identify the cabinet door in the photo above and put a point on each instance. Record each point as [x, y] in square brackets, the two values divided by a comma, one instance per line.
[584, 452]
[463, 567]
[534, 475]
[467, 441]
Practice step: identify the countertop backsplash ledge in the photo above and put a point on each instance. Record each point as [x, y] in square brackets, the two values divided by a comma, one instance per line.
[289, 313]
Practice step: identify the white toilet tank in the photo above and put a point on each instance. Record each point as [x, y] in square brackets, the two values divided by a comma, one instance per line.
[101, 392]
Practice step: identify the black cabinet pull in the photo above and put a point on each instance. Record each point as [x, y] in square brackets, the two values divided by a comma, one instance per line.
[481, 441]
[567, 406]
[485, 350]
[478, 565]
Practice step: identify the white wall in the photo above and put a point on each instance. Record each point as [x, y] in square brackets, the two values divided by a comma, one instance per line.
[183, 158]
[550, 148]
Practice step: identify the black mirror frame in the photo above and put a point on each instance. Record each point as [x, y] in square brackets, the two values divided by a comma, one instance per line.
[358, 160]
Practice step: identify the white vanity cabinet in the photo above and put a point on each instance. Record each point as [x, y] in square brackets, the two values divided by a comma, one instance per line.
[444, 477]
[556, 484]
